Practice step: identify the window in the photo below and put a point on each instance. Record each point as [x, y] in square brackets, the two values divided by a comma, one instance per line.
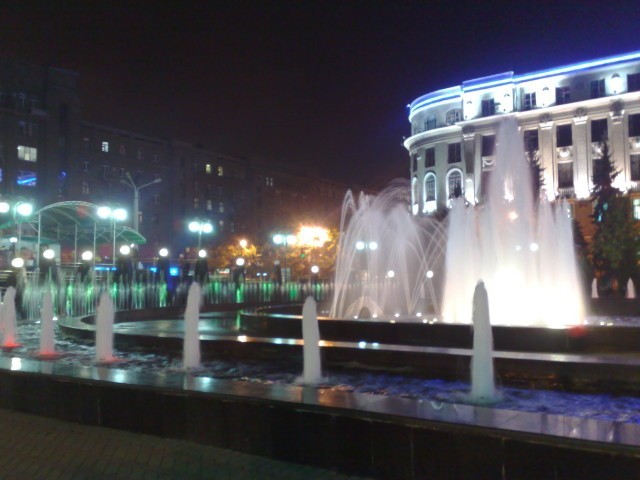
[488, 145]
[563, 95]
[26, 178]
[636, 208]
[488, 107]
[430, 123]
[85, 166]
[220, 171]
[156, 199]
[599, 130]
[454, 154]
[105, 147]
[207, 169]
[597, 88]
[268, 181]
[155, 158]
[221, 207]
[139, 155]
[565, 175]
[196, 186]
[105, 170]
[531, 140]
[430, 157]
[633, 82]
[635, 167]
[563, 136]
[414, 162]
[454, 116]
[529, 101]
[123, 150]
[209, 205]
[429, 187]
[85, 143]
[196, 203]
[454, 183]
[598, 167]
[27, 129]
[85, 188]
[28, 154]
[634, 125]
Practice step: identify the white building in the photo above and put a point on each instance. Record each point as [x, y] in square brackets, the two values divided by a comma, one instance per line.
[563, 113]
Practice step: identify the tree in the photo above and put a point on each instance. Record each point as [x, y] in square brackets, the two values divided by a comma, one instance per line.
[537, 173]
[615, 242]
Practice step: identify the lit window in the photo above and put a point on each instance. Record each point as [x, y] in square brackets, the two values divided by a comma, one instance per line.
[105, 147]
[220, 171]
[207, 169]
[28, 154]
[636, 208]
[156, 199]
[85, 188]
[268, 181]
[26, 178]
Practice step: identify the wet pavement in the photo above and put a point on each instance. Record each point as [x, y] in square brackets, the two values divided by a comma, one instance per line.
[43, 448]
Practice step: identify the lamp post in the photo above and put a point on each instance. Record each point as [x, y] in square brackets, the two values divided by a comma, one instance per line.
[199, 227]
[18, 211]
[128, 181]
[113, 214]
[285, 240]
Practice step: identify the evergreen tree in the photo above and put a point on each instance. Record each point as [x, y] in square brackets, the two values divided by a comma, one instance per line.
[615, 242]
[537, 173]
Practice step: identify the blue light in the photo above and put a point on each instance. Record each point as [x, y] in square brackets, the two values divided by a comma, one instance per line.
[153, 269]
[173, 271]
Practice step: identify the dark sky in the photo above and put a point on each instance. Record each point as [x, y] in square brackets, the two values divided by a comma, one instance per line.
[323, 83]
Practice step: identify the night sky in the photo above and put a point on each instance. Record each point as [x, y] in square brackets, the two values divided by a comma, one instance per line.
[319, 83]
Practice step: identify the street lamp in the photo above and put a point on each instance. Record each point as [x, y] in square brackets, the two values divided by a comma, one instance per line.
[285, 240]
[128, 181]
[113, 214]
[200, 228]
[18, 210]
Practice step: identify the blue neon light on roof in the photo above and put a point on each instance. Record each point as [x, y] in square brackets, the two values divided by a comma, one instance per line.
[507, 77]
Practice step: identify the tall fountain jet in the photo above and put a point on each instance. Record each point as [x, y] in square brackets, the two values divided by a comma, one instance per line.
[521, 246]
[482, 376]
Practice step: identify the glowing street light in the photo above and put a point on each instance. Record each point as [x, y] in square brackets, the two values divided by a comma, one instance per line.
[200, 227]
[115, 215]
[243, 243]
[240, 262]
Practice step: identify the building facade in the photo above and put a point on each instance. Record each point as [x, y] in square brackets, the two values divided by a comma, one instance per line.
[563, 114]
[49, 153]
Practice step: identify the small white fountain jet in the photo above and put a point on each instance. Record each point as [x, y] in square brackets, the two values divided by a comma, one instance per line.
[482, 375]
[104, 330]
[312, 370]
[191, 345]
[47, 340]
[10, 339]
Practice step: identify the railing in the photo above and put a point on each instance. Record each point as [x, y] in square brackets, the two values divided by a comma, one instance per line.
[79, 299]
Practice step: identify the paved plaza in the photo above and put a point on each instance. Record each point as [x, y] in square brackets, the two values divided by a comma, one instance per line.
[33, 447]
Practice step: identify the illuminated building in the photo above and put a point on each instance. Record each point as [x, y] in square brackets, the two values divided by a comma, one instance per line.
[563, 113]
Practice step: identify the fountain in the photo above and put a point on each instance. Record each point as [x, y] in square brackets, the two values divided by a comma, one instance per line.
[47, 341]
[482, 381]
[631, 290]
[9, 319]
[104, 330]
[387, 259]
[521, 247]
[191, 349]
[312, 372]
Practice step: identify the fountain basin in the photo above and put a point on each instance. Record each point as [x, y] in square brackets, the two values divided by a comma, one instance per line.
[588, 358]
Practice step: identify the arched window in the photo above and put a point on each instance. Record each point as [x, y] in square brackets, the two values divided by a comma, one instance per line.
[429, 193]
[414, 195]
[454, 183]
